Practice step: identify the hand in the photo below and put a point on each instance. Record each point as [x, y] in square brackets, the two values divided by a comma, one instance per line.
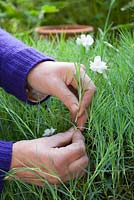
[59, 157]
[60, 79]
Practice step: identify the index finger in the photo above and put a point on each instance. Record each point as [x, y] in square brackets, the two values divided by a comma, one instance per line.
[85, 87]
[78, 137]
[87, 91]
[75, 150]
[87, 96]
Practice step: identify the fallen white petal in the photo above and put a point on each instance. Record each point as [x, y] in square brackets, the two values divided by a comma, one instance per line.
[49, 132]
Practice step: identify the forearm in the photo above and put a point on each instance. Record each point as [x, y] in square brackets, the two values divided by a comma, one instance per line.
[16, 61]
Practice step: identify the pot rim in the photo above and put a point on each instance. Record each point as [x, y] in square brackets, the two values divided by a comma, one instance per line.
[64, 29]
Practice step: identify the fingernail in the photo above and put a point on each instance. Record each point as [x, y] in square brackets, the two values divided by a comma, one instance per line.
[76, 118]
[80, 113]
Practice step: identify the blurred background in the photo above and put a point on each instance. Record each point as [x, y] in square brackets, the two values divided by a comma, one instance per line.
[25, 15]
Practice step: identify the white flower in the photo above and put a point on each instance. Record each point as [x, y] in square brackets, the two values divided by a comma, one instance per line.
[98, 65]
[49, 132]
[85, 40]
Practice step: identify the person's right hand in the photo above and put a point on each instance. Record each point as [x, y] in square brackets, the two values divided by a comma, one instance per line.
[57, 158]
[62, 80]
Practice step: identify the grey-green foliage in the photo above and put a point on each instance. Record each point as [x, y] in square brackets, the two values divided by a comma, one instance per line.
[109, 132]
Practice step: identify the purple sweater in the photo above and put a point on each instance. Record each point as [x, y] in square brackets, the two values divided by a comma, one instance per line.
[16, 60]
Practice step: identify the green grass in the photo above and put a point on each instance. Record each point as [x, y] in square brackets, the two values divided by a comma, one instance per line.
[109, 130]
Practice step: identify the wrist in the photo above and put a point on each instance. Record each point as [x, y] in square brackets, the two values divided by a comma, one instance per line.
[33, 88]
[34, 74]
[18, 150]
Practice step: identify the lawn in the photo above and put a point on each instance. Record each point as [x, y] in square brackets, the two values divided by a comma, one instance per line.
[109, 131]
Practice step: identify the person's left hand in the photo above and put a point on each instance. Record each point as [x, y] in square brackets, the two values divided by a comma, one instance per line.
[60, 79]
[57, 158]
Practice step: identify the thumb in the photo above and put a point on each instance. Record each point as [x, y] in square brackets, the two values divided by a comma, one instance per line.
[68, 98]
[61, 139]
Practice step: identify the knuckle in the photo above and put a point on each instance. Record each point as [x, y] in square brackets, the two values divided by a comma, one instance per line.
[74, 108]
[59, 136]
[93, 87]
[81, 65]
[56, 165]
[82, 148]
[67, 96]
[83, 138]
[60, 172]
[71, 67]
[82, 72]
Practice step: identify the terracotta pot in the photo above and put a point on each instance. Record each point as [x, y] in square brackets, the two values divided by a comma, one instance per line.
[68, 30]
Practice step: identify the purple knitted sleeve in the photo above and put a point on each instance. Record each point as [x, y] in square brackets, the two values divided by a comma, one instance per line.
[5, 160]
[16, 60]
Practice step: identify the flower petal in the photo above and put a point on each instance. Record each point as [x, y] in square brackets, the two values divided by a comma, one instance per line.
[97, 59]
[98, 65]
[78, 41]
[48, 132]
